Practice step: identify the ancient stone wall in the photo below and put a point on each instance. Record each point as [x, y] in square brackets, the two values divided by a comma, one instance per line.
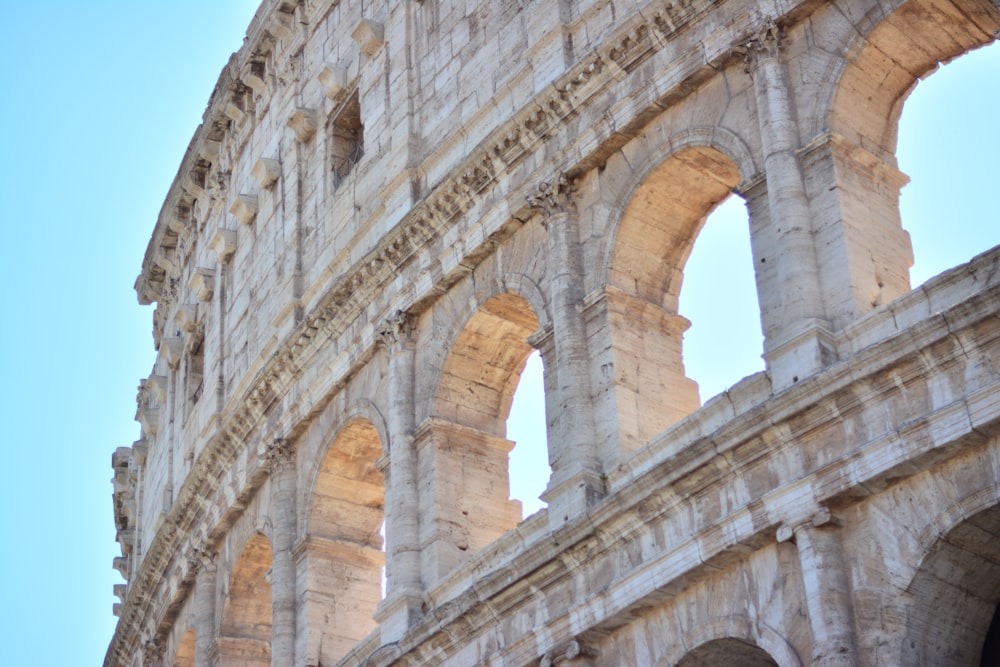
[389, 205]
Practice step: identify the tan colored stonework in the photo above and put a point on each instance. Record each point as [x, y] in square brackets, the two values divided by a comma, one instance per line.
[390, 204]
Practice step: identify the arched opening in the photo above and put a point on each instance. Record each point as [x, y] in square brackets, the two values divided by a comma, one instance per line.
[948, 143]
[463, 449]
[529, 462]
[245, 633]
[184, 655]
[727, 651]
[955, 595]
[654, 240]
[900, 48]
[725, 342]
[342, 560]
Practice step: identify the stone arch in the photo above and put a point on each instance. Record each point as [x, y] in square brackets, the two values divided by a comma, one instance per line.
[348, 497]
[340, 560]
[184, 654]
[661, 219]
[867, 253]
[732, 640]
[486, 353]
[895, 47]
[462, 448]
[245, 631]
[525, 287]
[955, 593]
[636, 320]
[621, 191]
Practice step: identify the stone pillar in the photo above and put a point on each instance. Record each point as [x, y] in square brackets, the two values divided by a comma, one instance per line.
[339, 584]
[576, 482]
[404, 586]
[827, 589]
[204, 609]
[280, 458]
[642, 388]
[464, 494]
[867, 254]
[798, 341]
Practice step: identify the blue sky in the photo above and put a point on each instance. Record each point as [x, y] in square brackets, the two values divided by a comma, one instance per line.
[100, 101]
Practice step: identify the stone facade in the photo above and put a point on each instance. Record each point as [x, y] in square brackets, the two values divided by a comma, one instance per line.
[390, 204]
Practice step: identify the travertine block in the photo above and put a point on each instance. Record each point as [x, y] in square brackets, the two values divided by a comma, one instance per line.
[266, 171]
[244, 208]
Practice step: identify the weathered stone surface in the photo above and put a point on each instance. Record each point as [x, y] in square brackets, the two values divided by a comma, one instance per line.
[447, 186]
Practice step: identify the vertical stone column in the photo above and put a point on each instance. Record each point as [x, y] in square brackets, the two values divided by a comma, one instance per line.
[404, 594]
[576, 475]
[280, 459]
[827, 589]
[204, 609]
[797, 337]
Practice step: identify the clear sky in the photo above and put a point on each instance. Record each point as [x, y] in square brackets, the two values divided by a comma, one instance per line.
[100, 100]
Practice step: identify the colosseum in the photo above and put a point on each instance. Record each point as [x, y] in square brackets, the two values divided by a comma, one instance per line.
[389, 205]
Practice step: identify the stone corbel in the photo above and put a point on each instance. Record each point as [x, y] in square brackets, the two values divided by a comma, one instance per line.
[172, 348]
[194, 186]
[186, 317]
[281, 25]
[223, 244]
[266, 171]
[209, 150]
[233, 111]
[158, 385]
[369, 35]
[121, 565]
[303, 124]
[334, 81]
[126, 538]
[140, 448]
[179, 221]
[244, 208]
[149, 418]
[252, 75]
[203, 283]
[166, 263]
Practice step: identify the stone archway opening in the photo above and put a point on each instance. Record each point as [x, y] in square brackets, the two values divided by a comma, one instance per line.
[653, 243]
[948, 140]
[727, 651]
[955, 595]
[526, 426]
[725, 342]
[341, 563]
[463, 450]
[245, 632]
[902, 48]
